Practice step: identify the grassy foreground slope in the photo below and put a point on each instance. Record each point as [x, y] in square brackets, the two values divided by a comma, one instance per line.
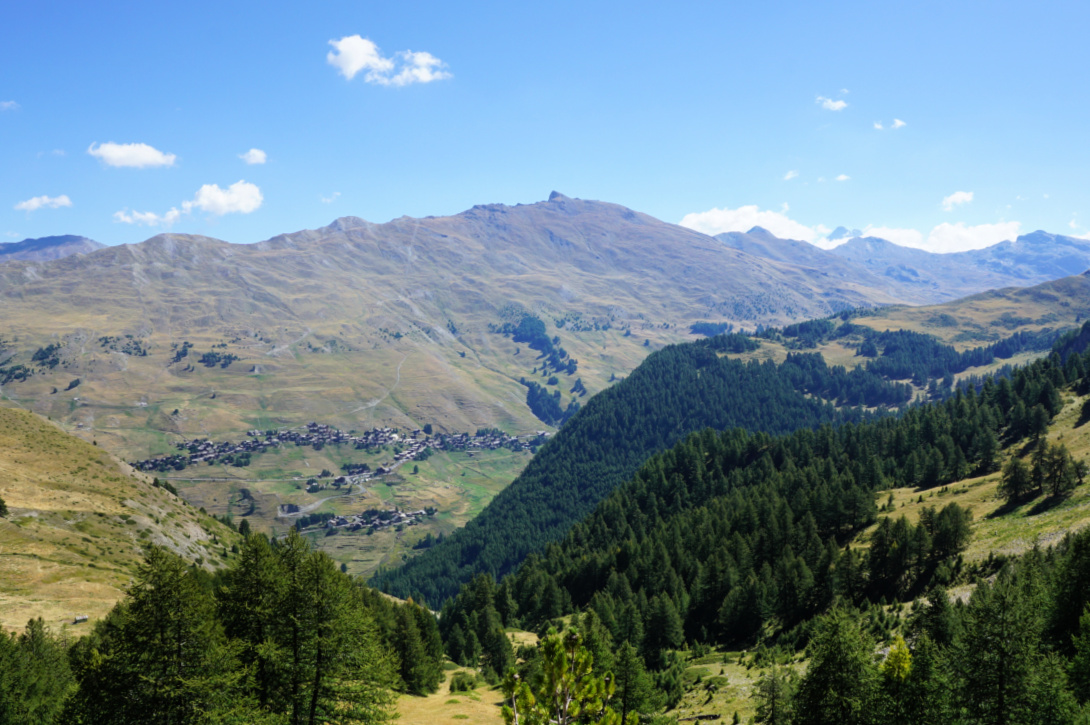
[77, 522]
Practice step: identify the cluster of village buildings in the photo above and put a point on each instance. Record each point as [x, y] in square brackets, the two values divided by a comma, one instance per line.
[377, 520]
[319, 435]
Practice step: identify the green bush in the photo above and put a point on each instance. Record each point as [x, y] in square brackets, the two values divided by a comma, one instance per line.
[464, 681]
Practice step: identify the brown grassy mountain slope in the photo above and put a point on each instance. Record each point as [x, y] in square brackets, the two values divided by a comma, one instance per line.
[989, 316]
[77, 523]
[358, 324]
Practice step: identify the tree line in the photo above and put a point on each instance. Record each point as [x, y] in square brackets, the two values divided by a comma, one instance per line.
[1018, 651]
[737, 537]
[675, 391]
[282, 636]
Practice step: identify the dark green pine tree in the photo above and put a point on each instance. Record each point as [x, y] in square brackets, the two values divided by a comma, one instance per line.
[35, 677]
[161, 655]
[420, 671]
[635, 691]
[248, 605]
[339, 672]
[774, 695]
[999, 650]
[1017, 481]
[925, 693]
[841, 683]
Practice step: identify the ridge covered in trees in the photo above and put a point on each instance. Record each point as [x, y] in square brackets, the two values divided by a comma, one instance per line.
[674, 392]
[736, 537]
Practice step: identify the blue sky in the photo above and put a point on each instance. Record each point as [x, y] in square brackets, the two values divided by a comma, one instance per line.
[122, 120]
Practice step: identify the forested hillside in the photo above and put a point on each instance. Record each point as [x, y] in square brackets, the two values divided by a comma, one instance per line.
[676, 391]
[736, 538]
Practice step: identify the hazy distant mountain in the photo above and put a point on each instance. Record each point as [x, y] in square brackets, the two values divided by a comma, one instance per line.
[46, 248]
[844, 233]
[1029, 260]
[914, 275]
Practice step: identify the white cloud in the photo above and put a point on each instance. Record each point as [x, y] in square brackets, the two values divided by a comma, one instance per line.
[956, 199]
[254, 156]
[897, 123]
[959, 237]
[1072, 223]
[332, 198]
[9, 106]
[353, 54]
[240, 197]
[13, 235]
[830, 105]
[421, 67]
[903, 237]
[742, 219]
[791, 175]
[941, 239]
[147, 218]
[843, 177]
[48, 202]
[132, 155]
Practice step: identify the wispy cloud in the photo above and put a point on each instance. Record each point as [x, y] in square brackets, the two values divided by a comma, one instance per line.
[254, 156]
[956, 199]
[131, 155]
[843, 177]
[791, 175]
[9, 106]
[354, 54]
[331, 198]
[897, 123]
[242, 197]
[897, 235]
[959, 237]
[46, 202]
[744, 218]
[147, 218]
[830, 105]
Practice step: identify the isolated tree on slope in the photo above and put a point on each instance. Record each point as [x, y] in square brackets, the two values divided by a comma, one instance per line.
[570, 691]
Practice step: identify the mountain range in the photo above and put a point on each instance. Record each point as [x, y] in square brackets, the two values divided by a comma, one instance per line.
[920, 277]
[410, 322]
[359, 323]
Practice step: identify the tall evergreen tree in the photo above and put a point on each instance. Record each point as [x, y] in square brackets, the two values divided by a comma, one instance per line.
[841, 683]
